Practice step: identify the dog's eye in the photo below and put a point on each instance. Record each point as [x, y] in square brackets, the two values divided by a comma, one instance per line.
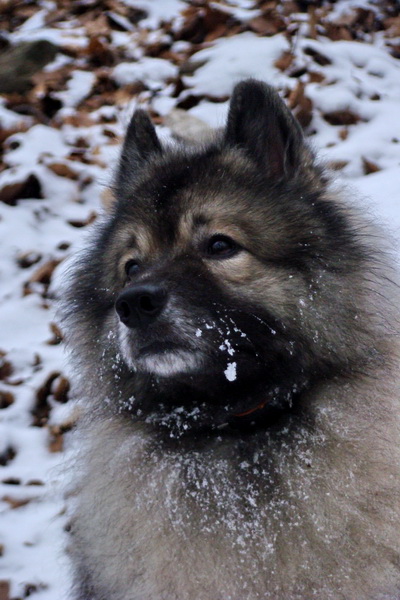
[221, 246]
[131, 268]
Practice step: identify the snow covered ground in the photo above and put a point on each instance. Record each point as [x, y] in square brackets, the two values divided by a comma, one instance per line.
[337, 64]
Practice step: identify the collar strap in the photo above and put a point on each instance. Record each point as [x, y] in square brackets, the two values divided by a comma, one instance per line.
[251, 410]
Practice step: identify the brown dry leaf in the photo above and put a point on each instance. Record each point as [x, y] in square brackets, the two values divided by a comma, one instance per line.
[337, 165]
[392, 26]
[60, 389]
[4, 585]
[56, 443]
[318, 57]
[28, 259]
[100, 52]
[126, 93]
[338, 32]
[77, 223]
[366, 20]
[300, 105]
[369, 166]
[315, 77]
[218, 32]
[394, 50]
[6, 368]
[203, 23]
[63, 170]
[284, 61]
[7, 455]
[41, 410]
[45, 81]
[44, 273]
[79, 119]
[289, 7]
[234, 30]
[342, 117]
[28, 188]
[265, 25]
[312, 22]
[6, 399]
[16, 503]
[97, 26]
[57, 335]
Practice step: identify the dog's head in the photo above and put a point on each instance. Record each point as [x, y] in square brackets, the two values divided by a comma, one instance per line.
[211, 289]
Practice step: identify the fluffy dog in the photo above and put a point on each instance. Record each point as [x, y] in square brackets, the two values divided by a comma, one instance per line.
[234, 332]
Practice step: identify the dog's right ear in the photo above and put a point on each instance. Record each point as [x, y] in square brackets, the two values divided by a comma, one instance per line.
[262, 126]
[140, 144]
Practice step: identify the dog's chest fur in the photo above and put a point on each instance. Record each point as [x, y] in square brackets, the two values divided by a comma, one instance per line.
[265, 520]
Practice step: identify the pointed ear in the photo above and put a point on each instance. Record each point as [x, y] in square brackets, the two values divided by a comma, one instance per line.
[141, 142]
[261, 124]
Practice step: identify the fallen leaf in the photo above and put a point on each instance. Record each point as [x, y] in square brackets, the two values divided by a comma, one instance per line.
[337, 165]
[342, 117]
[369, 166]
[63, 170]
[28, 188]
[6, 399]
[57, 335]
[60, 389]
[4, 585]
[44, 273]
[318, 57]
[5, 366]
[78, 223]
[15, 502]
[28, 259]
[284, 61]
[300, 105]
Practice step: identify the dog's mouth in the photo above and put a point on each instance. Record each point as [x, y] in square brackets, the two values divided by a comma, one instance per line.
[164, 352]
[168, 360]
[207, 376]
[159, 348]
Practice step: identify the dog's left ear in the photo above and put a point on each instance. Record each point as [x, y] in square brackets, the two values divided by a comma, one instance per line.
[261, 124]
[140, 144]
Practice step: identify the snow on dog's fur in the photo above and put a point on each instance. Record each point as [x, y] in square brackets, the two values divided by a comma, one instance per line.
[235, 335]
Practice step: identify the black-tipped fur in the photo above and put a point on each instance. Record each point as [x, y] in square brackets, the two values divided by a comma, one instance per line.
[141, 142]
[260, 123]
[242, 443]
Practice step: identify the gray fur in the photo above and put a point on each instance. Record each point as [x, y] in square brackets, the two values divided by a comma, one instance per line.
[193, 501]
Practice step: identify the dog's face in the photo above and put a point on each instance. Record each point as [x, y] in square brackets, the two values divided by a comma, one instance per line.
[212, 279]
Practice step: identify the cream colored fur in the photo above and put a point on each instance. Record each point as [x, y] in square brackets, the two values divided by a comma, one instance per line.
[313, 513]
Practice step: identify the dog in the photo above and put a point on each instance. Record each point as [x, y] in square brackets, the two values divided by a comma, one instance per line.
[234, 331]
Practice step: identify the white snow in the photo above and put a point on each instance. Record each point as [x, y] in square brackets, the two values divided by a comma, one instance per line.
[151, 71]
[157, 11]
[230, 371]
[230, 60]
[78, 87]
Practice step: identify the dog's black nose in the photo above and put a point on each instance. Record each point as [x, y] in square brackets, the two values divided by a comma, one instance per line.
[140, 304]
